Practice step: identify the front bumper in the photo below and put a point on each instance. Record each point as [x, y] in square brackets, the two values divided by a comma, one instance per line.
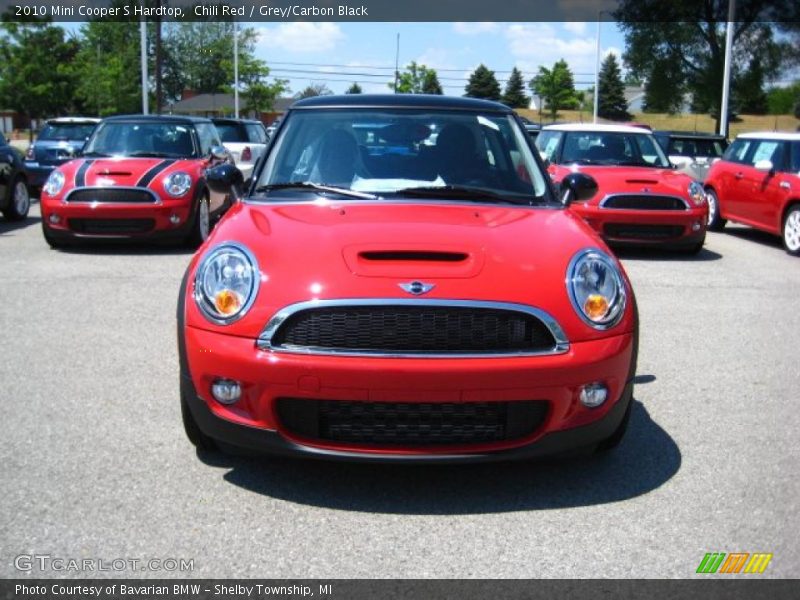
[669, 228]
[116, 220]
[266, 376]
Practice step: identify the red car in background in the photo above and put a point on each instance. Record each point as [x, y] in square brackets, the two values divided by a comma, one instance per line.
[138, 176]
[641, 200]
[402, 283]
[757, 183]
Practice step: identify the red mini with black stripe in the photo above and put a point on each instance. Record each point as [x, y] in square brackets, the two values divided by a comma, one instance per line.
[138, 177]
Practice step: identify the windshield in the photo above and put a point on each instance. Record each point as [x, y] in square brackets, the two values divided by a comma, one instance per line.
[169, 140]
[612, 149]
[230, 132]
[398, 152]
[67, 131]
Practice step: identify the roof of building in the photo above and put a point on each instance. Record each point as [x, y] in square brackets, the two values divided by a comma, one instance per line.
[217, 102]
[401, 101]
[596, 127]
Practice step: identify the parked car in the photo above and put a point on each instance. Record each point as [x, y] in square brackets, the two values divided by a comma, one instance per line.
[642, 200]
[757, 183]
[246, 140]
[15, 201]
[439, 304]
[138, 176]
[273, 127]
[692, 153]
[59, 141]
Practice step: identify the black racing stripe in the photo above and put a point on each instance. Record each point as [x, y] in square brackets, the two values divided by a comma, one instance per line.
[151, 174]
[80, 175]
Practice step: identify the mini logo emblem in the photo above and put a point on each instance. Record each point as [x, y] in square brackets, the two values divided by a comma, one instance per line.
[417, 287]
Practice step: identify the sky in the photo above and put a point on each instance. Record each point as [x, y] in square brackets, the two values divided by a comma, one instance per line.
[453, 49]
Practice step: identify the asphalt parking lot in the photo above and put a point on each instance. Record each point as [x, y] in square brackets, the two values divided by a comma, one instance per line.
[95, 463]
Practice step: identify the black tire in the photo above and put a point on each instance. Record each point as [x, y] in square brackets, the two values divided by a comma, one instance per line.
[790, 232]
[198, 439]
[201, 221]
[53, 241]
[19, 201]
[715, 221]
[615, 438]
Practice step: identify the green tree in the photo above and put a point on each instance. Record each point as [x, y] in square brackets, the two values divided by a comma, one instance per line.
[611, 101]
[781, 100]
[483, 84]
[556, 88]
[664, 89]
[37, 70]
[354, 89]
[259, 94]
[693, 34]
[417, 79]
[749, 95]
[314, 89]
[514, 94]
[430, 83]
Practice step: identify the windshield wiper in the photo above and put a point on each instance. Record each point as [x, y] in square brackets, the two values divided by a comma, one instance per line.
[315, 187]
[461, 192]
[101, 154]
[149, 154]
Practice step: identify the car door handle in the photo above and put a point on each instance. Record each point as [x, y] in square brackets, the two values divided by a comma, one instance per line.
[785, 185]
[739, 175]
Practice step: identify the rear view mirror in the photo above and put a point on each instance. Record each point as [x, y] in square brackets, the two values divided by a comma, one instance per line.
[577, 187]
[224, 178]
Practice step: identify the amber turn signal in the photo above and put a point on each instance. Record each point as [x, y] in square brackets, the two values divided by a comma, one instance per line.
[227, 302]
[595, 307]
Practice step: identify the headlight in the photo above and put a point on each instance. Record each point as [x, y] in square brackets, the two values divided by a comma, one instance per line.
[697, 193]
[54, 183]
[177, 184]
[596, 289]
[226, 283]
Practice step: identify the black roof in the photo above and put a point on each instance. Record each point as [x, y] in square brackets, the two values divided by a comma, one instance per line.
[690, 134]
[232, 120]
[401, 101]
[159, 118]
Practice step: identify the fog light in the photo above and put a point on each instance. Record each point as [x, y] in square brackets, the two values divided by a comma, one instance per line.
[593, 394]
[54, 218]
[174, 219]
[696, 226]
[226, 391]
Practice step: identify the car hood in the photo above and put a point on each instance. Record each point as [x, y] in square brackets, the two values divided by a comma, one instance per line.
[630, 180]
[129, 172]
[335, 250]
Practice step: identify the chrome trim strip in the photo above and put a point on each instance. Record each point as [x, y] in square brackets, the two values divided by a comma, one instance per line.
[264, 341]
[610, 196]
[156, 199]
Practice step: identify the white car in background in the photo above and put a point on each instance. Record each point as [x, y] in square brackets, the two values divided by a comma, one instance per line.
[245, 139]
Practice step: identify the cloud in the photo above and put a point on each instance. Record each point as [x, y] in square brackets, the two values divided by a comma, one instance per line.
[475, 28]
[576, 27]
[301, 37]
[539, 44]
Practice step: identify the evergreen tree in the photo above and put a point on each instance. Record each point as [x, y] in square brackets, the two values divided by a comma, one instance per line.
[354, 89]
[664, 89]
[611, 102]
[748, 91]
[556, 88]
[430, 83]
[483, 84]
[514, 95]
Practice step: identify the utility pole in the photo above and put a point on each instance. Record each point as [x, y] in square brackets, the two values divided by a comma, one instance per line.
[726, 77]
[236, 69]
[397, 63]
[596, 102]
[158, 63]
[143, 44]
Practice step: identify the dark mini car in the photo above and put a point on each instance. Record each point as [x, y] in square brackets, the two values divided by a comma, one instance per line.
[437, 303]
[692, 153]
[59, 141]
[757, 183]
[15, 201]
[138, 177]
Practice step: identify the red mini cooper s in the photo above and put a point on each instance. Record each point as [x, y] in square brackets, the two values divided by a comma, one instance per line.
[642, 199]
[138, 176]
[401, 282]
[757, 183]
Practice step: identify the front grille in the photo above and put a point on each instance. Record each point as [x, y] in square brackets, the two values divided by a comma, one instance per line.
[414, 330]
[645, 202]
[111, 226]
[642, 232]
[410, 424]
[111, 194]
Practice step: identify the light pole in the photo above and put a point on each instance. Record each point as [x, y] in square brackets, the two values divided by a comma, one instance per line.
[726, 76]
[596, 99]
[143, 43]
[236, 69]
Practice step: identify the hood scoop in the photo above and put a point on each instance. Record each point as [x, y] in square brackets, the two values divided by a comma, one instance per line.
[413, 261]
[113, 173]
[413, 256]
[643, 181]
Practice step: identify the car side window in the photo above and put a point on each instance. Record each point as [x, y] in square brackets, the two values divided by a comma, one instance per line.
[794, 165]
[255, 133]
[771, 150]
[738, 150]
[547, 143]
[208, 137]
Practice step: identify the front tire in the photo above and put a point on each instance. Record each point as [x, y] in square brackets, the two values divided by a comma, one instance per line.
[198, 439]
[715, 221]
[54, 242]
[201, 224]
[615, 438]
[791, 231]
[20, 201]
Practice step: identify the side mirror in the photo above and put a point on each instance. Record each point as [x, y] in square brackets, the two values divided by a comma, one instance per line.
[577, 187]
[764, 165]
[220, 153]
[224, 178]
